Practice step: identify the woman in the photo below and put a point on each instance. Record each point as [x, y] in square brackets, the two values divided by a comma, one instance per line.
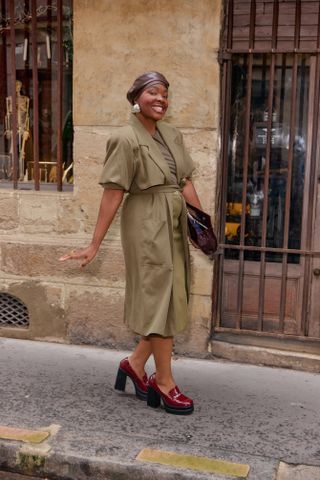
[148, 160]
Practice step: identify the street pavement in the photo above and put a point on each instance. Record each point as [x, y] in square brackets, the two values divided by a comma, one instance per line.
[244, 414]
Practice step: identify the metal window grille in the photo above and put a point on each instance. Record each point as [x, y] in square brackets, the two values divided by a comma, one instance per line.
[36, 50]
[267, 28]
[13, 312]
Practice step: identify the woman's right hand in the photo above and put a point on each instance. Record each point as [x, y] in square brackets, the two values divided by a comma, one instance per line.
[85, 254]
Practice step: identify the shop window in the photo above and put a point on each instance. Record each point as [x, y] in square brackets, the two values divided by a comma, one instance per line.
[270, 100]
[36, 130]
[267, 172]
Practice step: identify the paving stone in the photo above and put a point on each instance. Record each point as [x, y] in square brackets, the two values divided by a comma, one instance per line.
[297, 472]
[194, 462]
[23, 435]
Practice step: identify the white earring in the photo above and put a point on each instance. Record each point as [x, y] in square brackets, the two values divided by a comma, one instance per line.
[135, 108]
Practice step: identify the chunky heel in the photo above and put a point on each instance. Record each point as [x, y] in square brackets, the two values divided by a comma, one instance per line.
[153, 398]
[120, 380]
[140, 384]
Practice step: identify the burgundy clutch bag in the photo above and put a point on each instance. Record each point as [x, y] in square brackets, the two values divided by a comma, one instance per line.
[200, 230]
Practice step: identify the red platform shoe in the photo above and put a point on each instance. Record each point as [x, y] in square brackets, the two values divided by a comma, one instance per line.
[125, 370]
[174, 402]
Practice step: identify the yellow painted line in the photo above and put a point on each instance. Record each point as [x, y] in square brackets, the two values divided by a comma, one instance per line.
[193, 462]
[23, 435]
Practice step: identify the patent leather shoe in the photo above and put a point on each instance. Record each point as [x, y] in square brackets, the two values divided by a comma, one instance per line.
[174, 401]
[140, 384]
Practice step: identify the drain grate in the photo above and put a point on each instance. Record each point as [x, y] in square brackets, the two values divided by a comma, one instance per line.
[13, 312]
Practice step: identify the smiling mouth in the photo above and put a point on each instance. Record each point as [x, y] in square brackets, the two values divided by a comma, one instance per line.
[158, 108]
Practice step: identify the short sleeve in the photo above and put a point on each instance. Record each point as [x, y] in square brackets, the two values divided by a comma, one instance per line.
[119, 165]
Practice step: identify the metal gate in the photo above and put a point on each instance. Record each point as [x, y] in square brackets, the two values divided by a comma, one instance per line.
[268, 270]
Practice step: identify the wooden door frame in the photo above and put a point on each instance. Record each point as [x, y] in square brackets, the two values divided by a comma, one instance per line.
[314, 298]
[300, 342]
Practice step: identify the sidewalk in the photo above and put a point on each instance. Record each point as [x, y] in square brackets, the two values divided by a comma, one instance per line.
[249, 415]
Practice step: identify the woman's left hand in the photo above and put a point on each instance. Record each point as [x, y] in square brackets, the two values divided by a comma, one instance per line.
[85, 254]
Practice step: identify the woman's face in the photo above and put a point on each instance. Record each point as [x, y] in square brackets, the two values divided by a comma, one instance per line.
[153, 102]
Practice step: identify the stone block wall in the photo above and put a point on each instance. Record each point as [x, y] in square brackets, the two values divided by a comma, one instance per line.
[113, 43]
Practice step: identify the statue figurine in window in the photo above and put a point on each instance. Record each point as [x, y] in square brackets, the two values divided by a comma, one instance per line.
[23, 125]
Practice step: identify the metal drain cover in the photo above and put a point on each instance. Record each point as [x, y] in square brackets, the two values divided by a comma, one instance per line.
[13, 312]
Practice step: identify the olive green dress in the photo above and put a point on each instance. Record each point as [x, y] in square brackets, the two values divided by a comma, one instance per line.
[153, 224]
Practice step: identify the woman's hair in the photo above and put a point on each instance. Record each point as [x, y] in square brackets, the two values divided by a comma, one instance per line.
[143, 81]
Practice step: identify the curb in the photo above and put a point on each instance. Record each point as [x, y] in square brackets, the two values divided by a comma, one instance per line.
[56, 466]
[73, 467]
[270, 357]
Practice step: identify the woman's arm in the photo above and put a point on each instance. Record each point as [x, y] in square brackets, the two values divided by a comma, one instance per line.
[110, 202]
[190, 194]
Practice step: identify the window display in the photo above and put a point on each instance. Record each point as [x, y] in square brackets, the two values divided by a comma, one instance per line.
[36, 132]
[274, 177]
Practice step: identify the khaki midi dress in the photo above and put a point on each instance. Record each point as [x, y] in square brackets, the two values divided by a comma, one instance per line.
[153, 226]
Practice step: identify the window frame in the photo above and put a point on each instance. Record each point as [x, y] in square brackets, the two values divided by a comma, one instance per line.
[60, 185]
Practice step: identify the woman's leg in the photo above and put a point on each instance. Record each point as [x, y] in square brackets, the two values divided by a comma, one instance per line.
[140, 355]
[162, 351]
[161, 384]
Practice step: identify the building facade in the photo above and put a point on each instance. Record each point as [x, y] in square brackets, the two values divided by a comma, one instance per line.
[113, 42]
[244, 79]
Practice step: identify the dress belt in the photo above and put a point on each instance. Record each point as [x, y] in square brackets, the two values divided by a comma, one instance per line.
[158, 189]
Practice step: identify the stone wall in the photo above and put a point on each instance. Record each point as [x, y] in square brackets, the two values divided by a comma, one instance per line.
[113, 43]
